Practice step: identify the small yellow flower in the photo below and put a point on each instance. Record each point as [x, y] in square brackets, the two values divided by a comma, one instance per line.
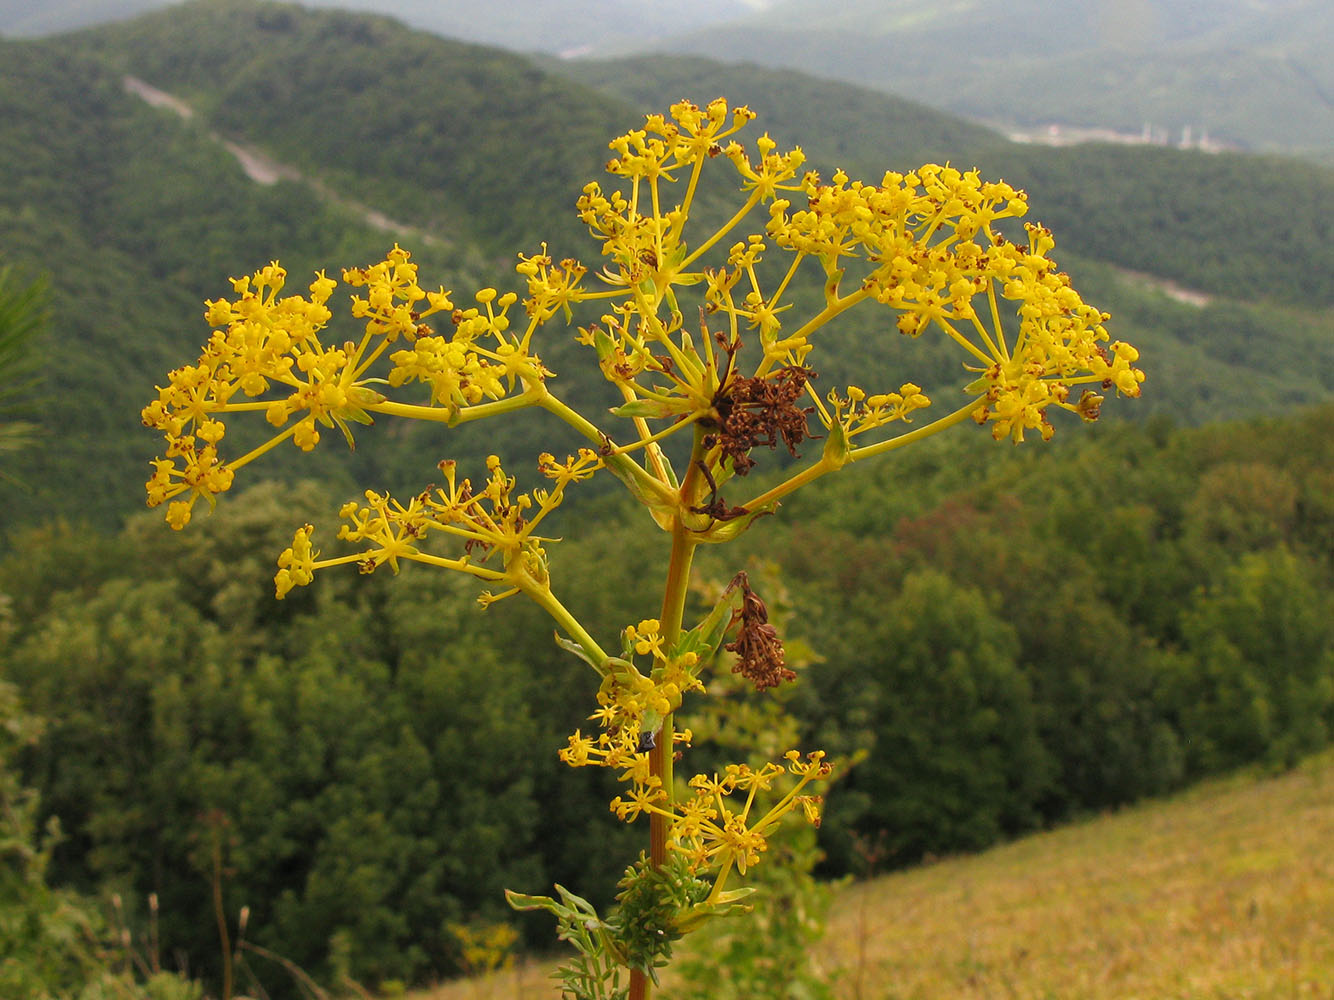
[646, 637]
[296, 565]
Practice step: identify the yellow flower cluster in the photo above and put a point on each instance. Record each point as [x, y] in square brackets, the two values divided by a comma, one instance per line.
[552, 287]
[708, 827]
[713, 832]
[267, 355]
[924, 243]
[858, 412]
[630, 707]
[636, 230]
[460, 370]
[930, 252]
[493, 523]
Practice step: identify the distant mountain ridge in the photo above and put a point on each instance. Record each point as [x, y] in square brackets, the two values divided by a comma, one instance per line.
[553, 26]
[1251, 73]
[1247, 74]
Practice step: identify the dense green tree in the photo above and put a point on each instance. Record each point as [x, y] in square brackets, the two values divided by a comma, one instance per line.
[956, 761]
[55, 944]
[363, 754]
[1260, 680]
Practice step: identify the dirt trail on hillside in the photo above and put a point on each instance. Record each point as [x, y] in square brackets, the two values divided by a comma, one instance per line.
[1174, 291]
[264, 169]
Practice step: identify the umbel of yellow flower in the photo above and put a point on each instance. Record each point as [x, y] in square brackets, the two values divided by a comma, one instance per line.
[268, 356]
[925, 244]
[701, 334]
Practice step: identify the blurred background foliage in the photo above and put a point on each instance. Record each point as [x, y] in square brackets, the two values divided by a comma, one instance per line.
[1056, 636]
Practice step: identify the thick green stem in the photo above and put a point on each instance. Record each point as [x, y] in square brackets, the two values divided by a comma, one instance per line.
[726, 228]
[893, 444]
[807, 475]
[673, 610]
[661, 757]
[531, 396]
[546, 600]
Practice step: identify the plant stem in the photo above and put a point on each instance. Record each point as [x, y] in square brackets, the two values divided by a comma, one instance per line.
[220, 914]
[661, 757]
[542, 596]
[807, 475]
[531, 396]
[949, 420]
[673, 610]
[621, 462]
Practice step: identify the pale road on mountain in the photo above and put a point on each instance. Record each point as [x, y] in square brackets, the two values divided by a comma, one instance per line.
[263, 169]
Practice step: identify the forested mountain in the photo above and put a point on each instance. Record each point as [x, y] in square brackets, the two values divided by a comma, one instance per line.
[139, 215]
[518, 25]
[1252, 74]
[135, 219]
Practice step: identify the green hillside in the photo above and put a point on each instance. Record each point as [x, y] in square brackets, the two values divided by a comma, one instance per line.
[139, 216]
[463, 140]
[137, 219]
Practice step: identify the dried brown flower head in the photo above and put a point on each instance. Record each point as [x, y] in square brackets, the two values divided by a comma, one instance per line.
[758, 648]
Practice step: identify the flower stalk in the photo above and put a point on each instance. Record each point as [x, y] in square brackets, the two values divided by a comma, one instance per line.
[692, 339]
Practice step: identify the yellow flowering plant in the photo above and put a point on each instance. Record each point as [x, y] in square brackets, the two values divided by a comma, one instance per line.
[701, 337]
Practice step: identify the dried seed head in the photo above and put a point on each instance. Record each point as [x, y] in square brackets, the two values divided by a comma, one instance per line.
[761, 411]
[760, 657]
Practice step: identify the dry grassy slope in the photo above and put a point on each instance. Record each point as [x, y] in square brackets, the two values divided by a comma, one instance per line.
[1226, 891]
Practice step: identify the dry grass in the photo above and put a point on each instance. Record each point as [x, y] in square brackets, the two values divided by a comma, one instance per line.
[526, 981]
[1224, 892]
